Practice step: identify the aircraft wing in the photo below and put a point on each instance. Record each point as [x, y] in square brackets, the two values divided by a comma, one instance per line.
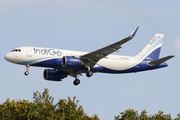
[92, 58]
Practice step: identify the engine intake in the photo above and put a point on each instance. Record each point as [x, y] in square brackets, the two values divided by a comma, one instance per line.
[69, 61]
[53, 75]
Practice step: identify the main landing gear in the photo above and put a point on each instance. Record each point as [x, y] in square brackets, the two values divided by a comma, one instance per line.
[77, 81]
[89, 73]
[27, 70]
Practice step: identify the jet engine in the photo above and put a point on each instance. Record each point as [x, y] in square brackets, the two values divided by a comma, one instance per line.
[69, 61]
[53, 75]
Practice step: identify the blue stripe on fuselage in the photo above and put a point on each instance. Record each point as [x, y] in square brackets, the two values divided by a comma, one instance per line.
[138, 68]
[57, 64]
[52, 63]
[32, 61]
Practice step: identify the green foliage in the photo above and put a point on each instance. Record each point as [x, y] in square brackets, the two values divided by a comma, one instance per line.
[42, 108]
[133, 115]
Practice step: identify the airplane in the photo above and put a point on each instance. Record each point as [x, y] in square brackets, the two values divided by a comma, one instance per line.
[62, 63]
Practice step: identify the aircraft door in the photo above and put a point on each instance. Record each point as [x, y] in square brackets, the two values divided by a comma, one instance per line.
[29, 51]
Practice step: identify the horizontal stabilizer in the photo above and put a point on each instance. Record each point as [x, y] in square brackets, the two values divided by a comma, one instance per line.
[159, 61]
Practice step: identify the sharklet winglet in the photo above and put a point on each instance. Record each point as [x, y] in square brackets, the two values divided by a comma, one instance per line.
[134, 32]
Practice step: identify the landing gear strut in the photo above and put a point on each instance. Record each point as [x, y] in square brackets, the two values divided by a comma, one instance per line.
[27, 70]
[89, 72]
[76, 81]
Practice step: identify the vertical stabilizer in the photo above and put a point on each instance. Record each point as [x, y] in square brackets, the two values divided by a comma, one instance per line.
[152, 50]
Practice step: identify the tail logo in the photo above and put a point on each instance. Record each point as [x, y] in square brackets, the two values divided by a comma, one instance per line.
[154, 39]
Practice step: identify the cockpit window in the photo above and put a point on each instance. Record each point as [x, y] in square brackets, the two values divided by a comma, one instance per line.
[16, 50]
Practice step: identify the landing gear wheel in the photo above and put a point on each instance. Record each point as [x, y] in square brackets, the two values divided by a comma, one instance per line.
[89, 74]
[76, 82]
[26, 73]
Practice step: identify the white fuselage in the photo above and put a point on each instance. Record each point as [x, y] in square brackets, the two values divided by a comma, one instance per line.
[31, 55]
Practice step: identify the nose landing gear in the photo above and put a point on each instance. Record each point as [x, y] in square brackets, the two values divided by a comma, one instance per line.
[27, 70]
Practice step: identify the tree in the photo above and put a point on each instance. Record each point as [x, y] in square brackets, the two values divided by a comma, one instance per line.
[128, 115]
[133, 115]
[42, 108]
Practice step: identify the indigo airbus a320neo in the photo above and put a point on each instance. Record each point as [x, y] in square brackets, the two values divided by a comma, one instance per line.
[61, 63]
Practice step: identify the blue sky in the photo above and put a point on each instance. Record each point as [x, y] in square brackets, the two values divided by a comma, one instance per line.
[87, 26]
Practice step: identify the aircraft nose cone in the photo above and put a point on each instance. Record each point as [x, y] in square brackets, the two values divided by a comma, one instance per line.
[8, 57]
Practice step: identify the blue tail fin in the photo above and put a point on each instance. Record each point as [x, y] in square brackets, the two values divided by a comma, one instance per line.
[152, 50]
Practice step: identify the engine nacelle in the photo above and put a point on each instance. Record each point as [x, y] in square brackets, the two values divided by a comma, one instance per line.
[53, 75]
[69, 61]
